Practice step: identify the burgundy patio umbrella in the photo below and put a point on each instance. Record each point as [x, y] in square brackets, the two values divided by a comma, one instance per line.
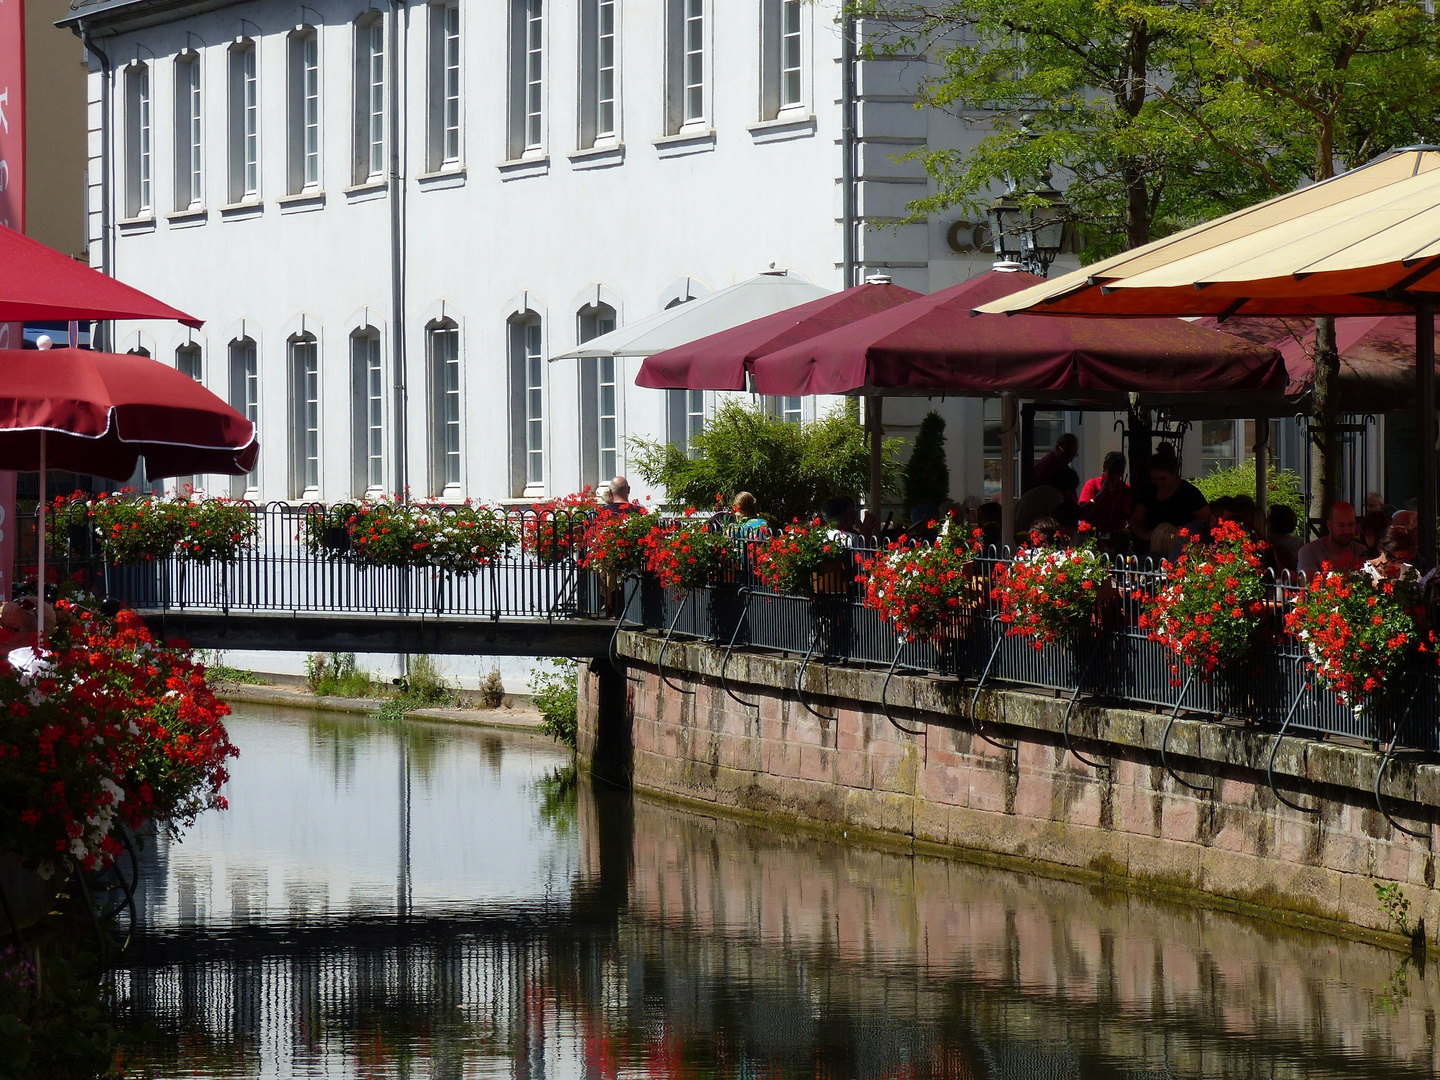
[97, 413]
[1377, 357]
[934, 345]
[720, 360]
[38, 283]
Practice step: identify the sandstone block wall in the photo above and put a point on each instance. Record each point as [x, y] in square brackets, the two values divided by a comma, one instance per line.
[926, 779]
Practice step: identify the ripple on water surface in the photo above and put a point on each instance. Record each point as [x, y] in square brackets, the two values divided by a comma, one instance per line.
[447, 903]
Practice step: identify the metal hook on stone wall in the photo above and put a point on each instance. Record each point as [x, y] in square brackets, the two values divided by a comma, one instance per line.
[669, 633]
[900, 647]
[611, 653]
[744, 595]
[1165, 741]
[975, 725]
[1384, 761]
[800, 680]
[1070, 708]
[1275, 747]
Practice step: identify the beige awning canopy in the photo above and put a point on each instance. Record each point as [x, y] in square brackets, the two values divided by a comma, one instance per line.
[1366, 242]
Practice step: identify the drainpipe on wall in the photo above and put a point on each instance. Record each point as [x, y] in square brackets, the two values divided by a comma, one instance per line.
[105, 337]
[398, 357]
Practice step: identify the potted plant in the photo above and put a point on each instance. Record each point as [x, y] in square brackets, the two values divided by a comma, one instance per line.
[1210, 609]
[463, 539]
[923, 590]
[1362, 630]
[553, 528]
[1054, 595]
[804, 560]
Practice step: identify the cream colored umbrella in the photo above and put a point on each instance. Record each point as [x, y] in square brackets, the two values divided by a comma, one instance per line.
[1366, 242]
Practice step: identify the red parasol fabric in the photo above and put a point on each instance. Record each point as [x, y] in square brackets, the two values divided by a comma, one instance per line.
[720, 361]
[1377, 356]
[98, 413]
[38, 283]
[933, 345]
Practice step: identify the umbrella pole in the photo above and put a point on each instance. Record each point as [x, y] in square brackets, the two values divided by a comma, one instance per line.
[1008, 416]
[1262, 464]
[876, 422]
[40, 570]
[1425, 428]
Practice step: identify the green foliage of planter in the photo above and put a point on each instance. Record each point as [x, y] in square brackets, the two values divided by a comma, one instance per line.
[927, 476]
[131, 530]
[789, 468]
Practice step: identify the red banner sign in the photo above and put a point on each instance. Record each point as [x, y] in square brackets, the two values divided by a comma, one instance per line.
[12, 216]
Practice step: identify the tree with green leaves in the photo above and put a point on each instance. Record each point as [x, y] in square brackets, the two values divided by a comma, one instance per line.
[927, 475]
[789, 468]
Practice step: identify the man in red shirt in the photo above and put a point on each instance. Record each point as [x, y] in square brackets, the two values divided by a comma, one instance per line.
[1105, 499]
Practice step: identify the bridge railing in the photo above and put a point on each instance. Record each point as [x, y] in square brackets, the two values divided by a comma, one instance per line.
[1116, 662]
[278, 571]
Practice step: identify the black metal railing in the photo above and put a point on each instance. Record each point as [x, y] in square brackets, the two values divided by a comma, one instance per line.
[1114, 662]
[279, 571]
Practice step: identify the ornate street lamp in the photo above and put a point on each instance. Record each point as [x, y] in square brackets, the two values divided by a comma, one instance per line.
[1029, 236]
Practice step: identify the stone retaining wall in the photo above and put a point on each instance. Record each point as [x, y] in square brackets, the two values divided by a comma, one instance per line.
[926, 780]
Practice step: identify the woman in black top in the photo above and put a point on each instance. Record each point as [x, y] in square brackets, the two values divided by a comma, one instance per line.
[1172, 501]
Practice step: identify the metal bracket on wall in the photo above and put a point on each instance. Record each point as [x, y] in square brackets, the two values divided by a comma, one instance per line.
[1384, 761]
[669, 633]
[1070, 708]
[744, 620]
[885, 691]
[800, 679]
[1165, 741]
[1275, 747]
[625, 597]
[975, 725]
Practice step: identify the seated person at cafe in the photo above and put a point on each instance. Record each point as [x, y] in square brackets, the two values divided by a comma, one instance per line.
[746, 522]
[1337, 549]
[1172, 501]
[619, 499]
[1043, 500]
[1280, 531]
[1105, 499]
[1060, 457]
[844, 523]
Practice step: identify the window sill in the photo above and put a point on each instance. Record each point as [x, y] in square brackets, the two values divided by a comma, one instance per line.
[438, 181]
[783, 128]
[699, 141]
[130, 226]
[605, 156]
[187, 219]
[241, 210]
[523, 168]
[364, 192]
[302, 201]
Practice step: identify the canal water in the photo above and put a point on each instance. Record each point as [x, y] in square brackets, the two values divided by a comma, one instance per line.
[440, 902]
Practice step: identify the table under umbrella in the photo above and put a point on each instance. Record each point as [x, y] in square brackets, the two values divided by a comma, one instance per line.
[1366, 242]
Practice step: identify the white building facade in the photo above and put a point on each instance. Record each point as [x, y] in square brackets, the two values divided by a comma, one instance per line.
[390, 216]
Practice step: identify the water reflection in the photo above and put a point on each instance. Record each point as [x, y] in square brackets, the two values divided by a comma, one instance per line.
[534, 927]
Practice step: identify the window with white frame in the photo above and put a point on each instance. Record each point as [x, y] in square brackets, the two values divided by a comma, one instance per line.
[686, 104]
[188, 363]
[685, 419]
[367, 411]
[369, 99]
[599, 400]
[527, 77]
[303, 111]
[189, 134]
[245, 399]
[444, 135]
[782, 55]
[1218, 445]
[789, 409]
[527, 396]
[443, 341]
[137, 141]
[244, 113]
[304, 416]
[599, 69]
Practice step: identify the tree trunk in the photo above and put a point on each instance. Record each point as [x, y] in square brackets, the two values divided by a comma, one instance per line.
[1324, 446]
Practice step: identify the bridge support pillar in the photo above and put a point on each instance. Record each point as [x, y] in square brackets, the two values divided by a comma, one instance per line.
[611, 756]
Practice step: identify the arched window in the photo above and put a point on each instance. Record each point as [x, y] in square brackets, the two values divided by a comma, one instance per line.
[304, 416]
[369, 99]
[189, 133]
[599, 400]
[188, 362]
[244, 110]
[443, 345]
[527, 403]
[367, 412]
[137, 142]
[302, 109]
[245, 399]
